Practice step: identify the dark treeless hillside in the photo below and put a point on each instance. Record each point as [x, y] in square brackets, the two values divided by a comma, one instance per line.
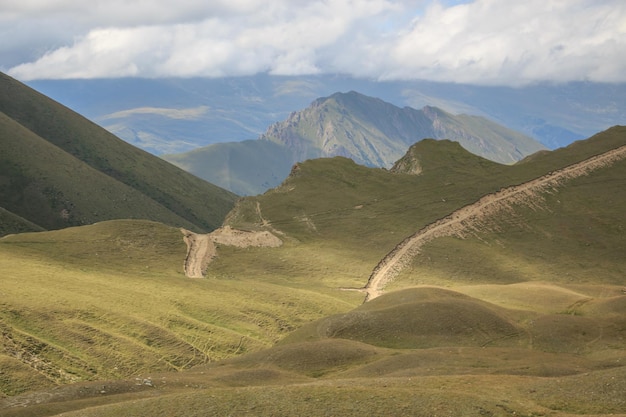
[59, 169]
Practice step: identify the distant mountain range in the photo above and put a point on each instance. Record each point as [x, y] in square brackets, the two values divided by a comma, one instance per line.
[368, 130]
[58, 169]
[178, 115]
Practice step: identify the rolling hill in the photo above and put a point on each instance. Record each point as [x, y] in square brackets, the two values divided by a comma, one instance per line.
[365, 129]
[519, 313]
[58, 169]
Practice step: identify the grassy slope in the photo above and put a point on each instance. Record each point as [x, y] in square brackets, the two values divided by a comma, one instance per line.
[499, 343]
[459, 371]
[336, 200]
[574, 235]
[11, 223]
[56, 190]
[242, 167]
[110, 300]
[191, 198]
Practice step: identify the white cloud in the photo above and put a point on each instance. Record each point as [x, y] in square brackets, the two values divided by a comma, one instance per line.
[190, 113]
[483, 41]
[494, 41]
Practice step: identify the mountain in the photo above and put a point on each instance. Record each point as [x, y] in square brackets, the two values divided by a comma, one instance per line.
[491, 289]
[246, 168]
[58, 169]
[365, 129]
[375, 133]
[177, 115]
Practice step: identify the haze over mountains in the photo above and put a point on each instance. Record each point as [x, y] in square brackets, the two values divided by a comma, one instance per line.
[368, 130]
[178, 115]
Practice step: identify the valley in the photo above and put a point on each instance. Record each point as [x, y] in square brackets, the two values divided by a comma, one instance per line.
[129, 287]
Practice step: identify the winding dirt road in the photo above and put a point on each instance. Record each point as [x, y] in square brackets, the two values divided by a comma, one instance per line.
[468, 219]
[200, 251]
[201, 248]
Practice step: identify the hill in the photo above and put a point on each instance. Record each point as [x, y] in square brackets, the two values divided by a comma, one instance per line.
[58, 169]
[365, 129]
[519, 313]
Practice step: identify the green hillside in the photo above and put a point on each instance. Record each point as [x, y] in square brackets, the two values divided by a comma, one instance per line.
[246, 168]
[367, 130]
[58, 170]
[521, 315]
[110, 300]
[11, 223]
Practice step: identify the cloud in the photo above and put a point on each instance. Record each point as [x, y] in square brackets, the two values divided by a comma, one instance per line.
[190, 113]
[499, 41]
[483, 41]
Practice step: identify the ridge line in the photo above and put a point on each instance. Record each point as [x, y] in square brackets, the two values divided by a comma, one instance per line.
[464, 218]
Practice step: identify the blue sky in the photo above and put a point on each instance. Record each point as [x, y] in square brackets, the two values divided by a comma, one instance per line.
[488, 42]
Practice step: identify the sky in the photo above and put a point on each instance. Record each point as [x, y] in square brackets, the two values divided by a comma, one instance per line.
[484, 42]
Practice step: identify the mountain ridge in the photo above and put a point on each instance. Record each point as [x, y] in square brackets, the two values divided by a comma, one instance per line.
[368, 130]
[385, 131]
[241, 108]
[472, 217]
[50, 154]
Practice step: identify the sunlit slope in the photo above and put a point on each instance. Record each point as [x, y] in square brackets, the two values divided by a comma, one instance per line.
[55, 163]
[110, 300]
[487, 361]
[337, 206]
[570, 234]
[433, 317]
[498, 330]
[376, 133]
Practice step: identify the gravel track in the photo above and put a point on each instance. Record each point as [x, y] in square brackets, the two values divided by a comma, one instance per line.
[469, 218]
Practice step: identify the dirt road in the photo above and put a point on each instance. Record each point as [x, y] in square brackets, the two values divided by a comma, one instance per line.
[462, 221]
[201, 248]
[200, 251]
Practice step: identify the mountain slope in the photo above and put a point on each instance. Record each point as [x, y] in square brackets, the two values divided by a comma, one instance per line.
[368, 130]
[246, 168]
[479, 217]
[147, 112]
[522, 313]
[59, 169]
[348, 206]
[375, 133]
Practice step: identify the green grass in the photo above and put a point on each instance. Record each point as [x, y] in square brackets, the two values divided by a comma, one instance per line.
[60, 170]
[526, 317]
[110, 300]
[574, 236]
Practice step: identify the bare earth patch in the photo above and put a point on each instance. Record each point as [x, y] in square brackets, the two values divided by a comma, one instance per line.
[201, 247]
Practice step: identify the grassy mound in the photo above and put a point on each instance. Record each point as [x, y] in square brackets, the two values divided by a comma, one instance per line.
[418, 318]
